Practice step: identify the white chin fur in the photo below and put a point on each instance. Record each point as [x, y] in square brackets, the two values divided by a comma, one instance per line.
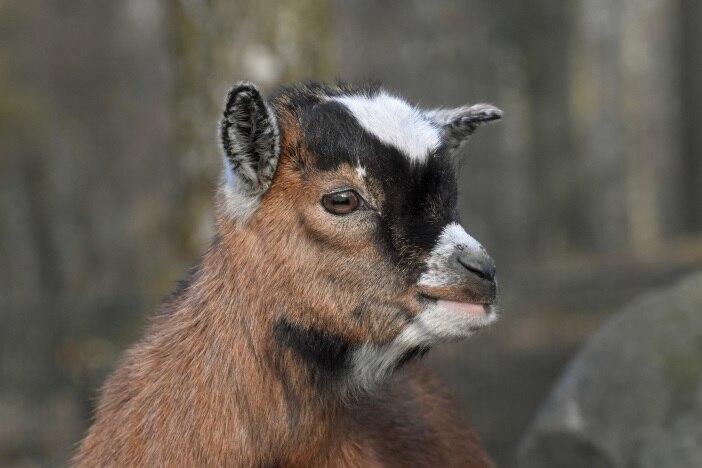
[441, 322]
[372, 364]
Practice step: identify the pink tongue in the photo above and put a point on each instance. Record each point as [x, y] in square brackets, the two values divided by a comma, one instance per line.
[462, 307]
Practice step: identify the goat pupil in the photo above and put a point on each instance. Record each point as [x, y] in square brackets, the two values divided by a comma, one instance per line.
[341, 199]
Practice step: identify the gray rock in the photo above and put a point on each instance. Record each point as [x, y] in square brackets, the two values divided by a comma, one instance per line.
[632, 397]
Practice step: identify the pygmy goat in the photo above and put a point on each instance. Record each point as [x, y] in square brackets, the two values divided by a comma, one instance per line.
[338, 261]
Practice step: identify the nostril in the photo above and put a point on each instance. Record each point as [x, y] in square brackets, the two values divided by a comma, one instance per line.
[481, 267]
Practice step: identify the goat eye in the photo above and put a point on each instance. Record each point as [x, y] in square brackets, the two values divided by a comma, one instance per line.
[341, 203]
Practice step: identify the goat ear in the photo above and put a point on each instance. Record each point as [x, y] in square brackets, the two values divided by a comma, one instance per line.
[457, 125]
[250, 140]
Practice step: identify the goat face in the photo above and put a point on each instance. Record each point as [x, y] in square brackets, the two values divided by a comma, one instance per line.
[351, 195]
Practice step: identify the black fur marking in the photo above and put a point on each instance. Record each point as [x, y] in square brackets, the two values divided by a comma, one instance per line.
[323, 352]
[289, 394]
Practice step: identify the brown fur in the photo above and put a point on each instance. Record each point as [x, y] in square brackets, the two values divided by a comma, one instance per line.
[209, 386]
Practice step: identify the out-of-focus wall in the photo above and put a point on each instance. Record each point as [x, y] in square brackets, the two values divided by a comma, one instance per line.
[588, 192]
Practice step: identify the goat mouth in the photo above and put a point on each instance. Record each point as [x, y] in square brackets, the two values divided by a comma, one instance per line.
[467, 307]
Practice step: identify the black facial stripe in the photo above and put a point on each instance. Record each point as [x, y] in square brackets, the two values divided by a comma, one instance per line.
[323, 352]
[420, 197]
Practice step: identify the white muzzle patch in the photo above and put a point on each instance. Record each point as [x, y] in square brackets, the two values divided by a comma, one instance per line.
[452, 238]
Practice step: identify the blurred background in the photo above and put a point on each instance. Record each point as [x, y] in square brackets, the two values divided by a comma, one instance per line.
[587, 194]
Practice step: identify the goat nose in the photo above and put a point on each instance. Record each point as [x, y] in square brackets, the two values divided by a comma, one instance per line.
[480, 265]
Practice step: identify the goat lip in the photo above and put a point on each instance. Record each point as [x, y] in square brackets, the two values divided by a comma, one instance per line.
[467, 308]
[462, 307]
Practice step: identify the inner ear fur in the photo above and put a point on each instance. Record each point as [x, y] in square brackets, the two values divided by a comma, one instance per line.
[458, 124]
[249, 137]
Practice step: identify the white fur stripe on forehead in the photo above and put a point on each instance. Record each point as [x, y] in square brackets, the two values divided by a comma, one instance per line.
[395, 122]
[452, 238]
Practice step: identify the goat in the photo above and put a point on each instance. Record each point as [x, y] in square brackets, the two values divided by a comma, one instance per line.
[338, 261]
